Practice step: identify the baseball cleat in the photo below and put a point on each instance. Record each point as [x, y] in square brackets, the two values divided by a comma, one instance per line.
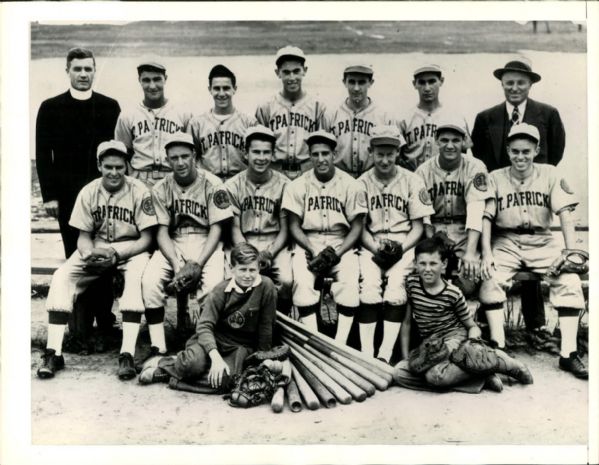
[152, 373]
[52, 363]
[126, 366]
[574, 365]
[493, 383]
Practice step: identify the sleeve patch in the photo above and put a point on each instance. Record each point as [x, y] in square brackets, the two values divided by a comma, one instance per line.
[221, 199]
[480, 182]
[565, 186]
[424, 197]
[147, 205]
[362, 200]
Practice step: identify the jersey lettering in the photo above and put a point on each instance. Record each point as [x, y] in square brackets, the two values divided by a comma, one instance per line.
[259, 203]
[160, 124]
[445, 188]
[325, 202]
[295, 119]
[520, 199]
[190, 207]
[355, 125]
[388, 200]
[421, 132]
[113, 212]
[222, 138]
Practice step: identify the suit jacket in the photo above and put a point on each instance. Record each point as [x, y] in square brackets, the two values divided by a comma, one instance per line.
[491, 127]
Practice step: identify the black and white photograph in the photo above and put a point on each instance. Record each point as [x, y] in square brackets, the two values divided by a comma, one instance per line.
[366, 232]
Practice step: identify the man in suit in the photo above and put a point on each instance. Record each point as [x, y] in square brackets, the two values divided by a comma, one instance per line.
[489, 135]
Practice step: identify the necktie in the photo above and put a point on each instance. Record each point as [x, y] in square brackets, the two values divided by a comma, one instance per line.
[515, 116]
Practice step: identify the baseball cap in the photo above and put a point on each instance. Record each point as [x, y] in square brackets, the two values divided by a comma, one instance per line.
[254, 131]
[430, 68]
[111, 146]
[359, 69]
[525, 130]
[454, 125]
[180, 138]
[151, 64]
[385, 135]
[290, 52]
[322, 137]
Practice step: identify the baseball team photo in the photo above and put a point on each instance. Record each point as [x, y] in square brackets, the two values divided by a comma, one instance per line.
[309, 233]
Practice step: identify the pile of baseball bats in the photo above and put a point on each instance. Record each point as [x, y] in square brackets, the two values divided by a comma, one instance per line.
[325, 372]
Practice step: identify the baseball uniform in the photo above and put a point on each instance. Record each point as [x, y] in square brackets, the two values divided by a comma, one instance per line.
[188, 211]
[114, 220]
[292, 122]
[353, 131]
[219, 141]
[419, 128]
[145, 131]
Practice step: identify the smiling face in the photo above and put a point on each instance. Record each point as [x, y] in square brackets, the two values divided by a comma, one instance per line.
[522, 152]
[113, 168]
[245, 274]
[222, 91]
[428, 86]
[81, 73]
[291, 73]
[384, 158]
[259, 156]
[516, 86]
[357, 86]
[152, 83]
[182, 159]
[450, 145]
[430, 267]
[323, 160]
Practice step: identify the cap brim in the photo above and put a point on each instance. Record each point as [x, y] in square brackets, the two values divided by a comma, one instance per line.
[178, 142]
[112, 151]
[451, 127]
[385, 141]
[534, 77]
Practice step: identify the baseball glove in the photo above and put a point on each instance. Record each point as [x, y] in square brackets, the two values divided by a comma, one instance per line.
[187, 279]
[428, 354]
[100, 260]
[388, 254]
[276, 353]
[570, 261]
[265, 262]
[254, 386]
[324, 261]
[475, 356]
[448, 253]
[118, 283]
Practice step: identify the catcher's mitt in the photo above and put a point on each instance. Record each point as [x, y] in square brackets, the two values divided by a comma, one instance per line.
[389, 253]
[254, 386]
[570, 261]
[265, 262]
[428, 354]
[324, 261]
[448, 253]
[276, 353]
[475, 356]
[187, 279]
[100, 260]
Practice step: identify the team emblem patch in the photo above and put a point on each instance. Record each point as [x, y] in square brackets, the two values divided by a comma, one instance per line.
[480, 182]
[424, 197]
[236, 320]
[148, 206]
[362, 200]
[565, 186]
[221, 199]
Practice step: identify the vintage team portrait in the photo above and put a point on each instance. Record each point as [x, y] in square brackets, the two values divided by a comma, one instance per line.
[309, 233]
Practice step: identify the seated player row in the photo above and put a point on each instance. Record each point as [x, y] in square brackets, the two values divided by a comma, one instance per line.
[329, 214]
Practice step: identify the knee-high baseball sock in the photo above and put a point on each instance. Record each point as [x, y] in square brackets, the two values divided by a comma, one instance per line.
[131, 321]
[568, 326]
[391, 331]
[55, 337]
[155, 320]
[367, 338]
[310, 321]
[496, 322]
[343, 326]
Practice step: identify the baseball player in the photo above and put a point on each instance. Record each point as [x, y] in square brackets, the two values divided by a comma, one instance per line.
[419, 125]
[326, 210]
[256, 196]
[191, 205]
[146, 127]
[527, 195]
[397, 203]
[458, 186]
[292, 114]
[354, 120]
[218, 134]
[114, 215]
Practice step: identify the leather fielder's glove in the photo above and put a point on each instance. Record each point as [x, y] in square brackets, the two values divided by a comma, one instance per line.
[324, 261]
[265, 262]
[100, 260]
[254, 386]
[570, 261]
[276, 353]
[475, 356]
[187, 279]
[389, 253]
[118, 283]
[428, 354]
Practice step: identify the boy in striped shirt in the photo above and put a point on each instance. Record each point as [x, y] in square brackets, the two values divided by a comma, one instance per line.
[440, 310]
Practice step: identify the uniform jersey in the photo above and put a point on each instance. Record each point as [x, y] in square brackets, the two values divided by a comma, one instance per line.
[393, 204]
[450, 191]
[325, 207]
[353, 130]
[199, 205]
[531, 203]
[292, 122]
[220, 143]
[145, 131]
[258, 206]
[114, 216]
[419, 128]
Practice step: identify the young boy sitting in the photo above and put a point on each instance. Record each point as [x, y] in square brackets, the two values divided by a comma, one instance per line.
[440, 311]
[236, 319]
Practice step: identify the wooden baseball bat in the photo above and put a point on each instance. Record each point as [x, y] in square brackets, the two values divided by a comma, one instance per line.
[293, 396]
[285, 376]
[355, 391]
[320, 390]
[333, 386]
[308, 395]
[278, 400]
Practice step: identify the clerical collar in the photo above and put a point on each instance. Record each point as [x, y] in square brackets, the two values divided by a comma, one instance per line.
[80, 94]
[521, 109]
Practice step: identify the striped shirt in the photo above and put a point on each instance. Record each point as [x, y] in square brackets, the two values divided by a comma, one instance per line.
[441, 315]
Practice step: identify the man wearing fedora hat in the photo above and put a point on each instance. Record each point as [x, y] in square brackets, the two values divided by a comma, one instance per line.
[489, 137]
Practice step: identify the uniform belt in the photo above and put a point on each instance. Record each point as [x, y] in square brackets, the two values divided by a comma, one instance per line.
[185, 230]
[161, 168]
[449, 219]
[531, 231]
[292, 165]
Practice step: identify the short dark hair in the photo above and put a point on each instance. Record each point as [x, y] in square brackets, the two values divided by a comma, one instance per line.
[78, 53]
[221, 71]
[430, 245]
[243, 253]
[370, 77]
[261, 137]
